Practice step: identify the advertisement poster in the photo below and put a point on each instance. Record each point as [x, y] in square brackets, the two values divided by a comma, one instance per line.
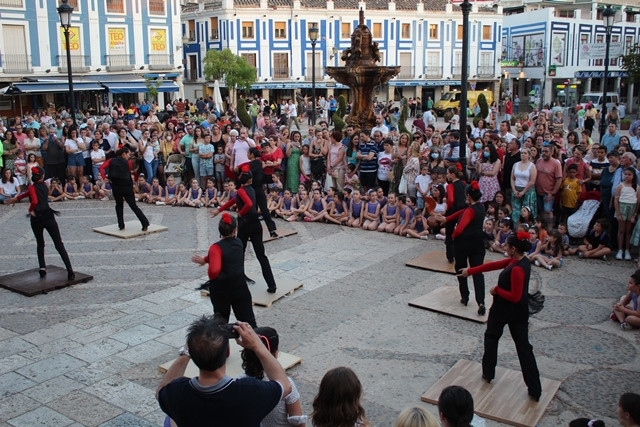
[117, 39]
[158, 40]
[558, 48]
[534, 50]
[74, 39]
[517, 49]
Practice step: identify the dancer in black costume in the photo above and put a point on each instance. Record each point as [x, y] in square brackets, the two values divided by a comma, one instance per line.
[455, 202]
[249, 226]
[468, 244]
[510, 307]
[43, 218]
[227, 286]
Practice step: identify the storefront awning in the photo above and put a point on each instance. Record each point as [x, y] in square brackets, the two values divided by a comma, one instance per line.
[50, 87]
[139, 87]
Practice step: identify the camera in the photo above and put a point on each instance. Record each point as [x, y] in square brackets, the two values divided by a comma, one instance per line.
[228, 331]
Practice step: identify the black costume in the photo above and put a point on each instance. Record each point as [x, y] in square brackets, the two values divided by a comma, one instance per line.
[255, 166]
[249, 228]
[510, 307]
[456, 201]
[122, 187]
[468, 246]
[227, 285]
[42, 218]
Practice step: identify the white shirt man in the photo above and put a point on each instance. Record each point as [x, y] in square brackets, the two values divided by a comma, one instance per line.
[380, 126]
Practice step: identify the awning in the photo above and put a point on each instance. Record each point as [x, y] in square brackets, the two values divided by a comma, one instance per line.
[139, 87]
[49, 87]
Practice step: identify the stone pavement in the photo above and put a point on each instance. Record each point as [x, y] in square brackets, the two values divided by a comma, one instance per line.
[88, 354]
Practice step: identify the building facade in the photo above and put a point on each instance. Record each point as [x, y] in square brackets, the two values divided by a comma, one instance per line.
[543, 50]
[118, 48]
[425, 39]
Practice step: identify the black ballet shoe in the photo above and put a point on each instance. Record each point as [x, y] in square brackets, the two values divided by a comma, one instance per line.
[121, 227]
[145, 227]
[535, 396]
[488, 380]
[482, 310]
[42, 272]
[464, 301]
[273, 233]
[271, 290]
[71, 275]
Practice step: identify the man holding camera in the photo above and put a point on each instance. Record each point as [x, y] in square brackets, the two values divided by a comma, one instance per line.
[213, 398]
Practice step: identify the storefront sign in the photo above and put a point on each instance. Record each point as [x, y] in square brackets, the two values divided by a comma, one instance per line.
[599, 74]
[598, 50]
[158, 40]
[74, 39]
[506, 64]
[552, 70]
[117, 40]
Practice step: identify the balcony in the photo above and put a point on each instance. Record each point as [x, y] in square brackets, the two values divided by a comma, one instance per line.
[456, 71]
[281, 72]
[11, 3]
[191, 75]
[486, 71]
[160, 61]
[16, 64]
[79, 63]
[433, 72]
[192, 35]
[308, 73]
[119, 62]
[406, 72]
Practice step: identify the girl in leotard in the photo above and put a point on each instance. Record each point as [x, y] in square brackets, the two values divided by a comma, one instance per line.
[389, 214]
[317, 208]
[195, 195]
[405, 215]
[301, 206]
[339, 213]
[182, 196]
[71, 189]
[157, 194]
[210, 194]
[550, 254]
[171, 191]
[56, 193]
[371, 212]
[86, 190]
[287, 205]
[418, 228]
[356, 210]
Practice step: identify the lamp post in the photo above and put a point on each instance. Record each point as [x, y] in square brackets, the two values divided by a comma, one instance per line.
[313, 36]
[466, 8]
[607, 18]
[65, 11]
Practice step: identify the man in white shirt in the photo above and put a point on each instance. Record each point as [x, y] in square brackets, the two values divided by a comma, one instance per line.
[292, 111]
[454, 122]
[505, 131]
[380, 126]
[428, 118]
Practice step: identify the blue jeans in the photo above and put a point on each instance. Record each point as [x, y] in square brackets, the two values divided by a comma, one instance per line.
[195, 162]
[152, 169]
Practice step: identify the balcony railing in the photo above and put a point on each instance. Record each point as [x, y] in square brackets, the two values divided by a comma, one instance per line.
[456, 71]
[433, 72]
[192, 35]
[215, 33]
[308, 73]
[11, 3]
[160, 61]
[119, 62]
[16, 64]
[79, 63]
[406, 72]
[281, 72]
[191, 75]
[486, 71]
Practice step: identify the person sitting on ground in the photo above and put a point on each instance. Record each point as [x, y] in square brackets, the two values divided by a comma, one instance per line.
[337, 403]
[629, 316]
[213, 395]
[596, 242]
[71, 188]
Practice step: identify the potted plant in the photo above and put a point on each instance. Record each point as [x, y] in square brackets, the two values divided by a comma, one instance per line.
[625, 124]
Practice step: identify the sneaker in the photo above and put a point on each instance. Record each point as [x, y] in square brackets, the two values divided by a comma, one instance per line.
[292, 218]
[440, 237]
[549, 267]
[105, 199]
[627, 255]
[160, 203]
[536, 262]
[506, 254]
[79, 197]
[619, 255]
[624, 326]
[605, 258]
[424, 237]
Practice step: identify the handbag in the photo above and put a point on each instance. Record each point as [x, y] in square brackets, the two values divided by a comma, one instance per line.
[402, 188]
[536, 302]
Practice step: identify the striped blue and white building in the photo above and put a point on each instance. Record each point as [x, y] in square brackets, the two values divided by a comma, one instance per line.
[116, 46]
[424, 38]
[543, 42]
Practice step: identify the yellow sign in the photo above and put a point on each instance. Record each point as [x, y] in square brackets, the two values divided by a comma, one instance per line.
[117, 39]
[74, 39]
[158, 40]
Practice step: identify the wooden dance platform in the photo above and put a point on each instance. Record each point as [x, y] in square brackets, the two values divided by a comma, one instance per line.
[504, 400]
[29, 282]
[446, 300]
[259, 294]
[131, 229]
[434, 261]
[282, 232]
[234, 362]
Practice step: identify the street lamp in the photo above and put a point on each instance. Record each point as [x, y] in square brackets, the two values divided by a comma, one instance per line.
[65, 11]
[607, 18]
[466, 8]
[313, 36]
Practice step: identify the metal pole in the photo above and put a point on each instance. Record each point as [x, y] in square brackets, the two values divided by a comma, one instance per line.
[466, 8]
[313, 82]
[605, 81]
[70, 76]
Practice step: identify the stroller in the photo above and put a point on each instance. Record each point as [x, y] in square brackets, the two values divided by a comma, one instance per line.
[579, 222]
[174, 166]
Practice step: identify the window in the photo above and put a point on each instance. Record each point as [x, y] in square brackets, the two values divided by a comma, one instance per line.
[280, 30]
[11, 3]
[72, 3]
[565, 13]
[459, 33]
[280, 65]
[191, 28]
[115, 6]
[345, 30]
[434, 66]
[247, 30]
[250, 58]
[156, 7]
[599, 39]
[215, 32]
[614, 59]
[405, 31]
[628, 44]
[434, 31]
[486, 32]
[631, 16]
[311, 25]
[377, 30]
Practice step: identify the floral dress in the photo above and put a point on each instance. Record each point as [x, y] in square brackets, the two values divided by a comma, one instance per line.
[293, 169]
[489, 185]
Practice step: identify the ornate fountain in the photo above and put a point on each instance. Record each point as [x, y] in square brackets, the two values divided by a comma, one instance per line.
[362, 75]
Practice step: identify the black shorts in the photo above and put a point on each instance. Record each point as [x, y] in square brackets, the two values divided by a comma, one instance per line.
[368, 179]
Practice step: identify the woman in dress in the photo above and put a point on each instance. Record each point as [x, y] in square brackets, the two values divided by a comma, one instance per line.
[32, 145]
[336, 164]
[488, 168]
[400, 156]
[10, 147]
[523, 186]
[412, 168]
[510, 307]
[294, 148]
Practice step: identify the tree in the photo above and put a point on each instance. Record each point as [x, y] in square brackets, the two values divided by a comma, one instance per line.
[337, 117]
[243, 115]
[152, 87]
[233, 69]
[404, 115]
[631, 63]
[484, 109]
